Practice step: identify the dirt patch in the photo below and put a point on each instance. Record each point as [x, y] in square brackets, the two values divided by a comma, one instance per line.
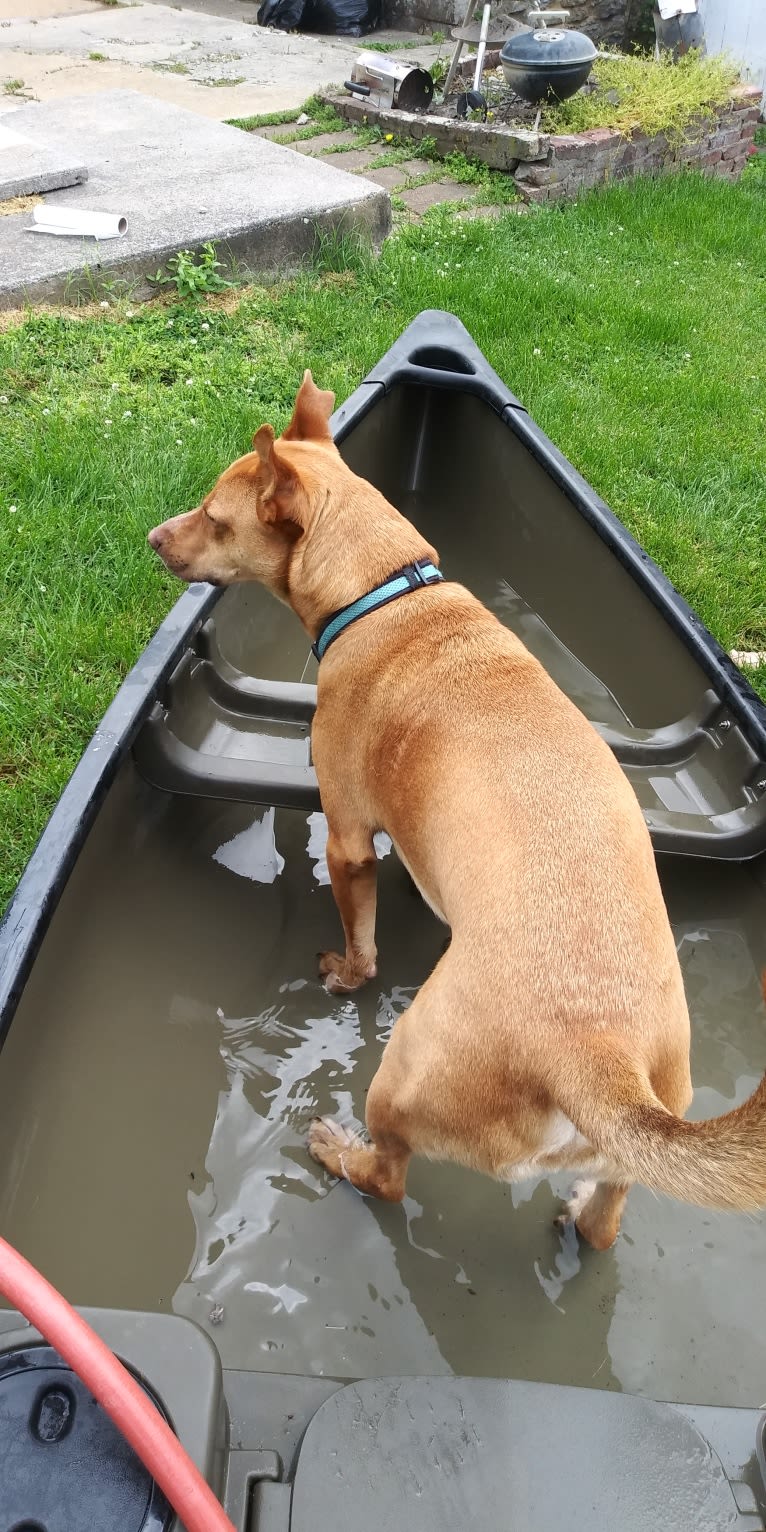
[340, 279]
[13, 205]
[10, 319]
[221, 303]
[224, 303]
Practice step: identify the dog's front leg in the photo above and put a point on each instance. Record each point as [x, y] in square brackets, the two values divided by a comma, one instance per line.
[353, 871]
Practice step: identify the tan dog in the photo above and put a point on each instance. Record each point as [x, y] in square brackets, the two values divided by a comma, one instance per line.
[553, 1034]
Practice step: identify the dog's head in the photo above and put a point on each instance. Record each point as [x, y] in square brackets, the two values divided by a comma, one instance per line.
[247, 526]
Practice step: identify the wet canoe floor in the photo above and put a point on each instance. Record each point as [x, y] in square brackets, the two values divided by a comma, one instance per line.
[175, 1041]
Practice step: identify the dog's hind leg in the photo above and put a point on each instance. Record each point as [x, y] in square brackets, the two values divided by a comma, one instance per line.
[596, 1209]
[426, 1099]
[377, 1167]
[352, 865]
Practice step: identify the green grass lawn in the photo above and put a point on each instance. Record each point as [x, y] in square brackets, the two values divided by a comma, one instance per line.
[633, 326]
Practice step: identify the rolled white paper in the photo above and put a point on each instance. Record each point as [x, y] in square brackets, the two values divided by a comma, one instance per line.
[47, 219]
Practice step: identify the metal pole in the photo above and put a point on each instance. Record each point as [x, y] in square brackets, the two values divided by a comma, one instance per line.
[482, 47]
[455, 60]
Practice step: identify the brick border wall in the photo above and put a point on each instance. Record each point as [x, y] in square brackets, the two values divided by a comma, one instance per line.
[499, 147]
[549, 167]
[718, 146]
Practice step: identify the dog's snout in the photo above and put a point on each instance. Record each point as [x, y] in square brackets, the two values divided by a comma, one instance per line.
[154, 538]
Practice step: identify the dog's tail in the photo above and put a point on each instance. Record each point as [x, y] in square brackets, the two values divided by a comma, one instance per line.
[720, 1163]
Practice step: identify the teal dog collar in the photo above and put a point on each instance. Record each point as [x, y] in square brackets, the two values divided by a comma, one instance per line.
[411, 577]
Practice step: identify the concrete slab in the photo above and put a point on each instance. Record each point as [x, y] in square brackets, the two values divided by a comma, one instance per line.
[27, 168]
[180, 181]
[27, 10]
[58, 77]
[220, 65]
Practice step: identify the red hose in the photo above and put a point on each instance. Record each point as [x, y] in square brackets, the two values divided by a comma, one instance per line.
[127, 1404]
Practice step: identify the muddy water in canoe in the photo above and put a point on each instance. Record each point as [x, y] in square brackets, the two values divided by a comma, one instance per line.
[171, 1047]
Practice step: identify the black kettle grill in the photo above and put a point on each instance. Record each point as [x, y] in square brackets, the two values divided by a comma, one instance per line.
[547, 65]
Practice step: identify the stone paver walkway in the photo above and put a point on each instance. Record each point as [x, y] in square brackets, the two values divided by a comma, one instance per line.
[415, 185]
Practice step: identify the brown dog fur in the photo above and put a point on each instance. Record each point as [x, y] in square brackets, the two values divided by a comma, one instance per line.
[553, 1033]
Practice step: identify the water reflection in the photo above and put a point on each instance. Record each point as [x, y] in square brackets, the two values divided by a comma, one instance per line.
[252, 853]
[466, 1275]
[273, 1236]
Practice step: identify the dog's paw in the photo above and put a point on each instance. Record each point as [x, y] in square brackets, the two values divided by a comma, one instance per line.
[594, 1215]
[328, 1142]
[339, 976]
[582, 1192]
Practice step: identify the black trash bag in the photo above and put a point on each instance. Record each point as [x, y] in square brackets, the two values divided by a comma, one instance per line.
[339, 18]
[343, 18]
[285, 15]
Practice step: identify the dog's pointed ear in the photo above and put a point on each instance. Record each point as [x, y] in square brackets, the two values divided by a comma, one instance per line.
[263, 443]
[312, 411]
[277, 501]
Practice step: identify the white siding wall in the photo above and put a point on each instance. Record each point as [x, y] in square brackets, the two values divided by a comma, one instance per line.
[738, 27]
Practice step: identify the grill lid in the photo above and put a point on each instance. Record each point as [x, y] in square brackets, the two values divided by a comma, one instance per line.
[551, 46]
